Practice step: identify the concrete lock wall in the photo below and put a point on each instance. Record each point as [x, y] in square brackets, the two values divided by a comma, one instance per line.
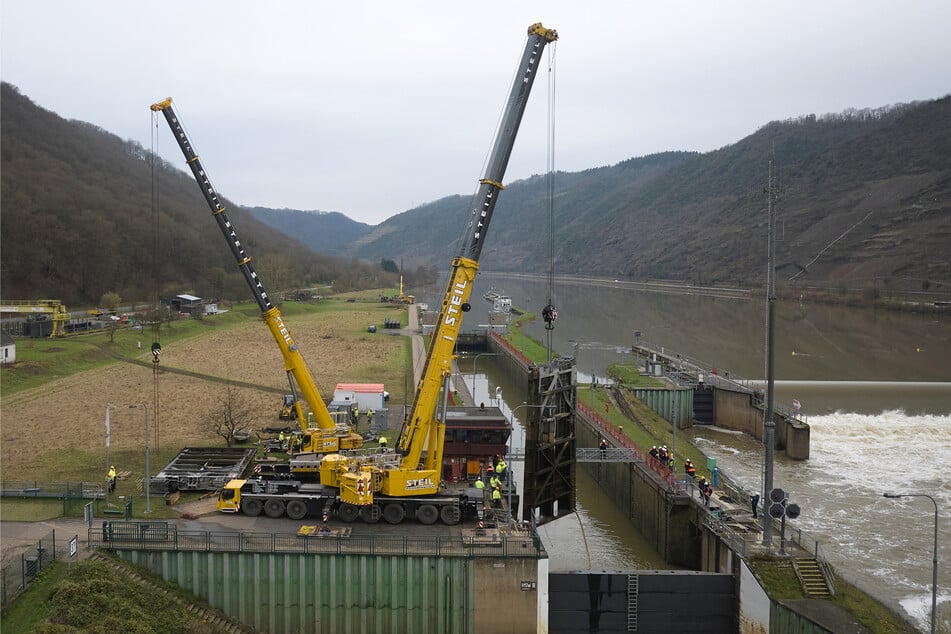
[797, 440]
[666, 520]
[733, 411]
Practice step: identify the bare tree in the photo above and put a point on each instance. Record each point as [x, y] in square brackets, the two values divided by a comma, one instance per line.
[230, 418]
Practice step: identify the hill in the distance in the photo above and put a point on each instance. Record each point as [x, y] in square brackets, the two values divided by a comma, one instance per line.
[327, 232]
[862, 200]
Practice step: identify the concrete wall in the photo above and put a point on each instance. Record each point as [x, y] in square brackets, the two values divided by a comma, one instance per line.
[734, 410]
[506, 595]
[665, 519]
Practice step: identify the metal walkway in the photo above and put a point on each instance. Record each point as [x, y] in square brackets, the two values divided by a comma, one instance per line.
[612, 454]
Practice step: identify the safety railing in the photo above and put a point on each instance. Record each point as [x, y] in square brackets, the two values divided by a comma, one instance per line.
[59, 490]
[610, 430]
[150, 536]
[19, 571]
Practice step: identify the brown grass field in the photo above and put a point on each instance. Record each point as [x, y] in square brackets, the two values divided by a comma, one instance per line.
[57, 432]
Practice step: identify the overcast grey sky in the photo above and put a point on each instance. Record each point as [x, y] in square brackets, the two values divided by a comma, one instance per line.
[372, 108]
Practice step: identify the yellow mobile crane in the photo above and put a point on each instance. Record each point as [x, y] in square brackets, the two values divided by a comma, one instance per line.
[321, 434]
[404, 299]
[407, 481]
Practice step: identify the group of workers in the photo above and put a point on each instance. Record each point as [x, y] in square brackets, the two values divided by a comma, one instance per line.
[293, 441]
[355, 414]
[706, 490]
[661, 455]
[496, 476]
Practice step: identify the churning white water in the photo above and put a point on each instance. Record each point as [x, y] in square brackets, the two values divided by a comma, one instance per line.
[884, 546]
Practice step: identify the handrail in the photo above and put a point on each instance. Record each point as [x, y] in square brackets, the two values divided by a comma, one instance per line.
[608, 429]
[38, 489]
[505, 546]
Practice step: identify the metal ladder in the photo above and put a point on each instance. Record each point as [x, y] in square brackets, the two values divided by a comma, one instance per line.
[632, 603]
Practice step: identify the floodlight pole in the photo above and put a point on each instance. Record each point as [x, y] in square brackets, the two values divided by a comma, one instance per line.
[474, 359]
[769, 425]
[934, 561]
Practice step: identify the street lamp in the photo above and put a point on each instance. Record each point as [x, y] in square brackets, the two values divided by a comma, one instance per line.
[148, 500]
[474, 359]
[934, 561]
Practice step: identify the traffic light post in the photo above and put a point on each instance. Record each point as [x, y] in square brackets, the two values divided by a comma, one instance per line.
[780, 509]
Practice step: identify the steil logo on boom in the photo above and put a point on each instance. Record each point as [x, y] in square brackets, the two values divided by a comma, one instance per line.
[455, 300]
[281, 328]
[419, 483]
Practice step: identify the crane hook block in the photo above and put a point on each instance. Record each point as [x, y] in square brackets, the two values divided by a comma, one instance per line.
[549, 314]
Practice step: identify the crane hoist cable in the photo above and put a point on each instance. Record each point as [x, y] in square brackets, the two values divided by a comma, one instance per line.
[154, 299]
[550, 313]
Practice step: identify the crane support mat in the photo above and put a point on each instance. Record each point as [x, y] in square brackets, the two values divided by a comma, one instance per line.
[324, 531]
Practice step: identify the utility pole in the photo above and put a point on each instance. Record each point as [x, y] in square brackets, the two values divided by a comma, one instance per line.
[769, 428]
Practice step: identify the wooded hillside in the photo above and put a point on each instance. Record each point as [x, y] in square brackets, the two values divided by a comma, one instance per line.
[862, 200]
[78, 221]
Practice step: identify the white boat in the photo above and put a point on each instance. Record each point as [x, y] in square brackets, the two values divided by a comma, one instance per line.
[502, 304]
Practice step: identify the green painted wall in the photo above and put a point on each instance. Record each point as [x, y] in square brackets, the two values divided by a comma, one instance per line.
[293, 593]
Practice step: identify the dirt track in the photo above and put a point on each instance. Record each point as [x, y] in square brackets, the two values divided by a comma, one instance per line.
[68, 415]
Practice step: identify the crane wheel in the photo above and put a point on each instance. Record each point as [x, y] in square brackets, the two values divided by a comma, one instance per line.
[450, 515]
[296, 509]
[348, 512]
[393, 513]
[274, 508]
[372, 514]
[427, 514]
[252, 508]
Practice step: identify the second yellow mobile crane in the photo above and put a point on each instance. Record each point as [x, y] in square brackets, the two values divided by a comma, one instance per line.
[321, 433]
[407, 482]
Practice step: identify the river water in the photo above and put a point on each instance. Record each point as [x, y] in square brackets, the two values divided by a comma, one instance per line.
[874, 386]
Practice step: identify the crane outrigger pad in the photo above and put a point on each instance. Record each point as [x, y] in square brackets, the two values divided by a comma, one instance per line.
[324, 531]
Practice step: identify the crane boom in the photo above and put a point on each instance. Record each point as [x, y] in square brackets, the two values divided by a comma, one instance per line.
[330, 436]
[421, 428]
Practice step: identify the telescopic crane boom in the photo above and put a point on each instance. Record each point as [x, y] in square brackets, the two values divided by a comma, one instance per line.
[421, 422]
[328, 436]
